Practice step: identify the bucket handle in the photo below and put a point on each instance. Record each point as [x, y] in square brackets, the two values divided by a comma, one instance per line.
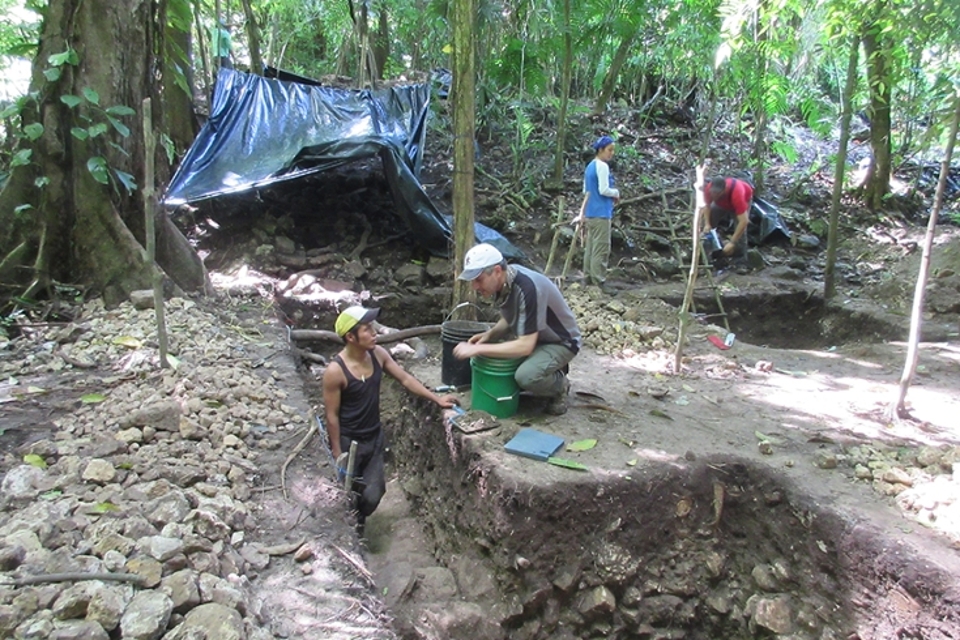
[462, 304]
[508, 398]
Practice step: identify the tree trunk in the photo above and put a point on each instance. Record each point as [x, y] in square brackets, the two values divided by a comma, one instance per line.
[80, 230]
[759, 104]
[829, 287]
[253, 39]
[610, 80]
[899, 407]
[463, 97]
[381, 41]
[876, 47]
[180, 122]
[558, 163]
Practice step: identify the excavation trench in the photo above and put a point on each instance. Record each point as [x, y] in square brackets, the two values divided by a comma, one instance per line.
[687, 547]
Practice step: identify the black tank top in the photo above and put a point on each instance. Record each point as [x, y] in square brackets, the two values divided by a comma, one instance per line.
[360, 402]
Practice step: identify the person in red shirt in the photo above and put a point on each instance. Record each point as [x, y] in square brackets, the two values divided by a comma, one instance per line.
[728, 199]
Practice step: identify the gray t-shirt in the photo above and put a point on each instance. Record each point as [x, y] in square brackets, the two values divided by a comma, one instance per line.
[531, 303]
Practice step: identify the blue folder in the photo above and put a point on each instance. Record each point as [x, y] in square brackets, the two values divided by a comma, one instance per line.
[531, 443]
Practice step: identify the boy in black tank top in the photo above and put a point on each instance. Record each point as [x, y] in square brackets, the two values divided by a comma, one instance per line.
[351, 394]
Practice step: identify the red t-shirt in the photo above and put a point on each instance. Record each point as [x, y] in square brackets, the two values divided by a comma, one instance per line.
[736, 199]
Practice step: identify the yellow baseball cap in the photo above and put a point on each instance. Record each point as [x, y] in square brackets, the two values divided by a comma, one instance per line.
[352, 316]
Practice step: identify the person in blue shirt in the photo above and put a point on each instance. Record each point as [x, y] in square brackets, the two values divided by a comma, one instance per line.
[597, 211]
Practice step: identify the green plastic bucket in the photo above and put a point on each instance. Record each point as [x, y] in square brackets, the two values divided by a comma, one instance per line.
[493, 387]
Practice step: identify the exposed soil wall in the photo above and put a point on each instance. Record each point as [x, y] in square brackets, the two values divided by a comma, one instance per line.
[707, 548]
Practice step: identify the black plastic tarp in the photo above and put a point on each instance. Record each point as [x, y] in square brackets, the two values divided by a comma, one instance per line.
[262, 131]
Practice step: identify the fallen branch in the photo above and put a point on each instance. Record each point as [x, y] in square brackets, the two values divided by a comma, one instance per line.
[307, 335]
[74, 577]
[311, 356]
[283, 549]
[655, 194]
[293, 454]
[362, 570]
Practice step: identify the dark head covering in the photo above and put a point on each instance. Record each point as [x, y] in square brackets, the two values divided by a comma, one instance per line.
[602, 142]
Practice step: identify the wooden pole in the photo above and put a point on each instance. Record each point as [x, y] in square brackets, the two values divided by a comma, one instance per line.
[150, 227]
[694, 267]
[561, 201]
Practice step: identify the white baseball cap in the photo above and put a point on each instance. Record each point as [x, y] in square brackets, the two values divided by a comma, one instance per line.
[479, 258]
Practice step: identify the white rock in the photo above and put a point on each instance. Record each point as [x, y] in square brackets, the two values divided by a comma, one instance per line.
[22, 482]
[99, 471]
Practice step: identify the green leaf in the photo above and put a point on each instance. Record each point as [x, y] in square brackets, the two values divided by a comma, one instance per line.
[632, 462]
[567, 464]
[126, 179]
[10, 111]
[79, 133]
[121, 128]
[660, 414]
[34, 130]
[21, 208]
[53, 494]
[67, 57]
[91, 95]
[70, 100]
[104, 507]
[92, 398]
[97, 166]
[41, 182]
[120, 110]
[582, 445]
[125, 465]
[21, 158]
[52, 74]
[35, 461]
[97, 129]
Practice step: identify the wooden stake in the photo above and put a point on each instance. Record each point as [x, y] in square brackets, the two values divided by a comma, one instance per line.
[694, 267]
[150, 227]
[556, 234]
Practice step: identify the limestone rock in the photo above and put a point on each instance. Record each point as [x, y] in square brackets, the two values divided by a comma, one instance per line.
[771, 612]
[218, 590]
[457, 620]
[210, 620]
[146, 616]
[142, 299]
[79, 630]
[12, 557]
[764, 577]
[147, 568]
[183, 588]
[660, 609]
[73, 601]
[597, 602]
[160, 548]
[22, 482]
[162, 416]
[107, 604]
[170, 507]
[99, 471]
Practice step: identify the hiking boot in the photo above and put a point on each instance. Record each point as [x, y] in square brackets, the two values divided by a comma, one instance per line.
[557, 405]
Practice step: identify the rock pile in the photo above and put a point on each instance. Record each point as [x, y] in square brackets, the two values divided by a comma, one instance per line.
[629, 322]
[129, 520]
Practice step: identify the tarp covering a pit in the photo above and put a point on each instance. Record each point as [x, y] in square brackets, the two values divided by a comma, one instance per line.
[263, 131]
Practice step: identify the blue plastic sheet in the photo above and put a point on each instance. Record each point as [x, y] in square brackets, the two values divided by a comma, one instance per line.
[262, 131]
